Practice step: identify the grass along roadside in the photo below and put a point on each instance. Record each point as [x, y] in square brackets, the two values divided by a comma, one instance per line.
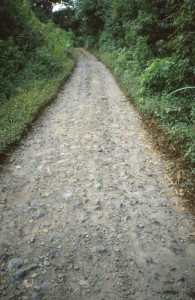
[175, 146]
[32, 67]
[17, 113]
[180, 171]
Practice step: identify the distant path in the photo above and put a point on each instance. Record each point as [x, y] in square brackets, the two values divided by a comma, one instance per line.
[86, 208]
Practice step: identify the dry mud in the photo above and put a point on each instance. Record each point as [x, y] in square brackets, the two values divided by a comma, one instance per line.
[87, 211]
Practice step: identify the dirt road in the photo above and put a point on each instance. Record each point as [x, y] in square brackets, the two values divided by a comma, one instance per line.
[86, 207]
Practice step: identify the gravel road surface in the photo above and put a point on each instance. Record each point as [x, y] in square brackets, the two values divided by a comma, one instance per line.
[87, 210]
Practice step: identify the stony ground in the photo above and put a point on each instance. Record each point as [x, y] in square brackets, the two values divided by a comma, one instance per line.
[87, 211]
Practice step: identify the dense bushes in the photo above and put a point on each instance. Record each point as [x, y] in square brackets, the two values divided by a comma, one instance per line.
[19, 37]
[34, 59]
[148, 44]
[150, 47]
[151, 91]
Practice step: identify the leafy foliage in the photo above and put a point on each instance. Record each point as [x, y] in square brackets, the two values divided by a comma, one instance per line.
[42, 8]
[34, 59]
[66, 19]
[149, 45]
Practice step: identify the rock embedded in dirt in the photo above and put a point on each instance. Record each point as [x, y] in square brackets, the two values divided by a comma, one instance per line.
[61, 275]
[40, 214]
[140, 226]
[37, 296]
[14, 263]
[11, 224]
[3, 287]
[23, 272]
[46, 263]
[34, 275]
[100, 249]
[67, 196]
[45, 285]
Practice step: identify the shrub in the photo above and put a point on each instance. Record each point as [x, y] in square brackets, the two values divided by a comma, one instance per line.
[31, 75]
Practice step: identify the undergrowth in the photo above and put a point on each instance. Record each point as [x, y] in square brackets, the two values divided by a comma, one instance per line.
[32, 70]
[170, 119]
[175, 113]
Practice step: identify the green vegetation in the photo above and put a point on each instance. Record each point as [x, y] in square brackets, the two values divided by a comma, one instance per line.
[34, 60]
[148, 44]
[150, 47]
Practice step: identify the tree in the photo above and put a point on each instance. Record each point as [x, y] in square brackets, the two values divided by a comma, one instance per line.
[12, 18]
[92, 15]
[66, 17]
[43, 8]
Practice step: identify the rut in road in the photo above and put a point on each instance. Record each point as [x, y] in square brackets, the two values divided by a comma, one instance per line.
[86, 208]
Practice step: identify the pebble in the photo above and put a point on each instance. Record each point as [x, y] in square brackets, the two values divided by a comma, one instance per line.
[47, 224]
[47, 263]
[67, 196]
[84, 219]
[18, 167]
[26, 261]
[140, 226]
[133, 202]
[37, 288]
[98, 186]
[45, 285]
[32, 240]
[61, 275]
[46, 195]
[37, 296]
[34, 275]
[11, 224]
[100, 249]
[40, 214]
